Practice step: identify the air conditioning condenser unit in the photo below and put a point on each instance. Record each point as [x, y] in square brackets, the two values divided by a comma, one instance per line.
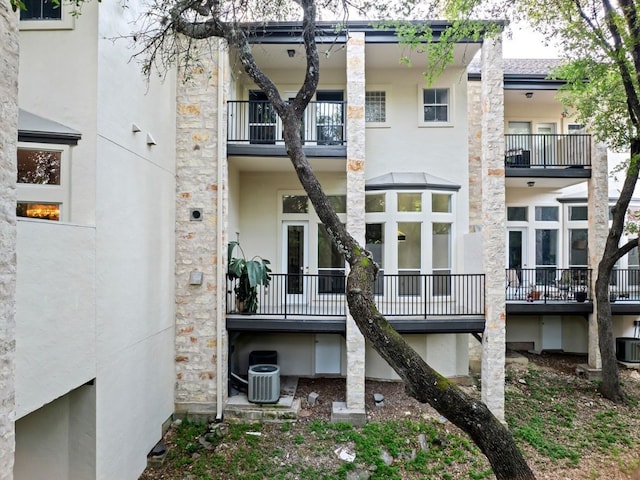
[264, 383]
[628, 349]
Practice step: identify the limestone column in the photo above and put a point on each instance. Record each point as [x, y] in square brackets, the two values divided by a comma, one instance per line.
[355, 204]
[598, 207]
[200, 344]
[493, 226]
[8, 141]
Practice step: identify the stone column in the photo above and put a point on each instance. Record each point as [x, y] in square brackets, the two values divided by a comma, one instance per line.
[200, 146]
[355, 411]
[493, 226]
[598, 207]
[8, 141]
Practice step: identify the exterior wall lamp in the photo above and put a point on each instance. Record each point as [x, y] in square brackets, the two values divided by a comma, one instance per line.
[528, 94]
[291, 52]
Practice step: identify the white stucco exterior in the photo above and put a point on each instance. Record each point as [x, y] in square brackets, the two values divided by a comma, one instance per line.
[96, 294]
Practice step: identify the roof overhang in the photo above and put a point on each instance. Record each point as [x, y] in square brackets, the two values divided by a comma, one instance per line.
[35, 129]
[409, 181]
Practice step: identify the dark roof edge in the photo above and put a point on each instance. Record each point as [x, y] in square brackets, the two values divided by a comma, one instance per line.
[412, 186]
[522, 81]
[49, 137]
[291, 32]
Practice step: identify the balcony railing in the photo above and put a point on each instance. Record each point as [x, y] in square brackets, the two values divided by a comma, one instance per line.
[625, 285]
[256, 122]
[548, 284]
[547, 151]
[397, 295]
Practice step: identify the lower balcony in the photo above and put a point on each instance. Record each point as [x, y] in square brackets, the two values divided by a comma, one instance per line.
[558, 290]
[413, 303]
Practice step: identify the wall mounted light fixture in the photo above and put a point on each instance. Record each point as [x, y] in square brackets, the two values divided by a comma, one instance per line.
[291, 52]
[530, 183]
[528, 94]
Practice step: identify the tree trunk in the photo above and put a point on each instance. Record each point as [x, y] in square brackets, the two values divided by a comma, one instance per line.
[422, 382]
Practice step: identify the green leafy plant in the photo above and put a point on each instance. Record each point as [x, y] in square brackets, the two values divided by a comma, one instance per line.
[250, 274]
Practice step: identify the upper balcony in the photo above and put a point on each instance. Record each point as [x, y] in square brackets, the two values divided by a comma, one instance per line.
[548, 155]
[254, 129]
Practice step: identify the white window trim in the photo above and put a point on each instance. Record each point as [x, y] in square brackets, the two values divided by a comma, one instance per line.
[67, 22]
[34, 193]
[421, 122]
[387, 94]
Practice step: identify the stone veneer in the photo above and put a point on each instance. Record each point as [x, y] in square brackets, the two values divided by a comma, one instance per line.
[493, 225]
[598, 229]
[355, 343]
[200, 146]
[474, 119]
[8, 145]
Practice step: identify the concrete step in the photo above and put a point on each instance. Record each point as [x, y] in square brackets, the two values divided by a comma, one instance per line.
[239, 409]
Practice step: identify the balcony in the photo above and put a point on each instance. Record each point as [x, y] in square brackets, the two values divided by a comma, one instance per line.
[254, 128]
[412, 303]
[547, 155]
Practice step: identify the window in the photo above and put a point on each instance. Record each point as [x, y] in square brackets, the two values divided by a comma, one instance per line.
[435, 105]
[517, 214]
[41, 10]
[409, 258]
[578, 248]
[575, 128]
[546, 214]
[330, 264]
[338, 203]
[46, 15]
[440, 203]
[330, 117]
[546, 255]
[42, 189]
[295, 204]
[578, 213]
[374, 239]
[374, 203]
[375, 107]
[409, 202]
[441, 244]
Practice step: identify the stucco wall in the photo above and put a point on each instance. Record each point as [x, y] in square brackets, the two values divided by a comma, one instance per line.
[58, 441]
[55, 311]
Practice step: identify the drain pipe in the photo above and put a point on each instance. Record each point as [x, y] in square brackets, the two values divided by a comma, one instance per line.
[220, 221]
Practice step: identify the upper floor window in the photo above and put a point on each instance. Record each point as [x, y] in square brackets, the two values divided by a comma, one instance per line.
[435, 105]
[375, 107]
[42, 189]
[46, 15]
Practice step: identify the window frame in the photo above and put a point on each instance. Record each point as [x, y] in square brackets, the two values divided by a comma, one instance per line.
[450, 106]
[65, 22]
[375, 89]
[47, 194]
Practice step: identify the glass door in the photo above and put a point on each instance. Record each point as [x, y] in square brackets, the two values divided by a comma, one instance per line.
[546, 151]
[296, 252]
[516, 257]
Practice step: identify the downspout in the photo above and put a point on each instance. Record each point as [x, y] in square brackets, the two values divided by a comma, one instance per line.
[220, 221]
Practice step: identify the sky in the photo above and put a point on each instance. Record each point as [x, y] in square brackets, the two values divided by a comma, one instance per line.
[526, 44]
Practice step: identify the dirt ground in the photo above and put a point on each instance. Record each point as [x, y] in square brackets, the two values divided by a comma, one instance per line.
[398, 405]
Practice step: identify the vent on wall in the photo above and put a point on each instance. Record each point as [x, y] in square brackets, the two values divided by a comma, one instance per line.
[264, 383]
[628, 349]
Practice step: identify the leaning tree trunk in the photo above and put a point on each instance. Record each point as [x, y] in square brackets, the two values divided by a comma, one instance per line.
[421, 381]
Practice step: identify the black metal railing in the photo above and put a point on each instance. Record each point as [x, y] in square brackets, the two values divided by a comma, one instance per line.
[548, 284]
[625, 285]
[256, 122]
[406, 295]
[547, 150]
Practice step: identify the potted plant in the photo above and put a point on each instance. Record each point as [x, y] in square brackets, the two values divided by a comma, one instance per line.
[580, 294]
[250, 274]
[534, 294]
